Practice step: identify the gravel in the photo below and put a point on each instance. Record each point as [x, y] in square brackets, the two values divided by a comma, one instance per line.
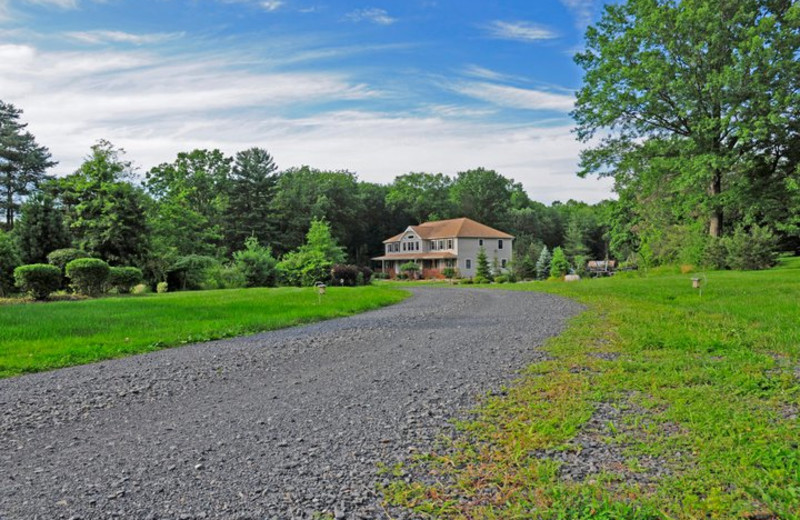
[286, 424]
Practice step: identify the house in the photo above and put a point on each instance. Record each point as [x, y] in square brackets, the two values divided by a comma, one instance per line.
[451, 243]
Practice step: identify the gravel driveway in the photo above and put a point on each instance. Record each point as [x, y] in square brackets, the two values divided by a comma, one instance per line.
[285, 424]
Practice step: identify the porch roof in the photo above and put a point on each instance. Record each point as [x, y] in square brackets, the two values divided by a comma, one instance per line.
[418, 256]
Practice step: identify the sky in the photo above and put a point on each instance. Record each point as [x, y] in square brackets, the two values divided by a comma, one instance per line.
[379, 88]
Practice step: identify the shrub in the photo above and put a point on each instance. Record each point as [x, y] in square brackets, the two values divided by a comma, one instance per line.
[366, 272]
[480, 279]
[751, 249]
[38, 279]
[501, 279]
[483, 271]
[61, 257]
[581, 266]
[449, 272]
[162, 287]
[142, 288]
[345, 275]
[304, 268]
[467, 281]
[559, 266]
[380, 275]
[257, 264]
[191, 272]
[88, 275]
[124, 278]
[9, 260]
[714, 254]
[223, 277]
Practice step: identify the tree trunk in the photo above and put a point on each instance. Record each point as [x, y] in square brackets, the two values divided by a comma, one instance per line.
[714, 190]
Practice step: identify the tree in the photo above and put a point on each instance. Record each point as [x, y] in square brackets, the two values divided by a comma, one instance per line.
[543, 264]
[23, 162]
[559, 266]
[9, 260]
[482, 269]
[312, 261]
[106, 215]
[192, 198]
[422, 196]
[483, 195]
[252, 187]
[256, 264]
[697, 100]
[40, 229]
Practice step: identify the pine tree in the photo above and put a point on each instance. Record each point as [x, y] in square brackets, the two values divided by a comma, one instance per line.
[543, 264]
[22, 162]
[483, 270]
[559, 266]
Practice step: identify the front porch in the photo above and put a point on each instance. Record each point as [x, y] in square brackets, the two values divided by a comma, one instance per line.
[431, 266]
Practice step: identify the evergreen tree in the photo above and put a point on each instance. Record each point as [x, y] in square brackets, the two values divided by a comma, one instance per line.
[23, 162]
[543, 264]
[483, 270]
[9, 260]
[40, 229]
[559, 266]
[252, 187]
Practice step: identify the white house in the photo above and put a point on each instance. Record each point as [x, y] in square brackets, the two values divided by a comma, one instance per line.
[446, 243]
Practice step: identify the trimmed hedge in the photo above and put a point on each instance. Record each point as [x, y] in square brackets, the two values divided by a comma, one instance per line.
[38, 279]
[88, 275]
[61, 257]
[124, 278]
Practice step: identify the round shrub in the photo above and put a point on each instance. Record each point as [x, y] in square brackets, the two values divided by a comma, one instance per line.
[38, 279]
[124, 278]
[162, 287]
[344, 275]
[61, 257]
[88, 275]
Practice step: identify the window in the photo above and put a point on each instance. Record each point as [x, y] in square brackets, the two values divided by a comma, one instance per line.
[416, 244]
[449, 244]
[433, 245]
[469, 263]
[480, 242]
[503, 263]
[441, 244]
[404, 246]
[499, 244]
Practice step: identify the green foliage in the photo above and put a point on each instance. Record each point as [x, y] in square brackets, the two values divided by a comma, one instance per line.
[38, 279]
[162, 287]
[449, 272]
[252, 188]
[697, 103]
[480, 279]
[345, 275]
[9, 260]
[105, 213]
[61, 257]
[40, 229]
[410, 267]
[501, 279]
[751, 249]
[256, 264]
[220, 276]
[559, 265]
[23, 162]
[482, 269]
[543, 264]
[312, 262]
[423, 196]
[124, 278]
[581, 266]
[191, 272]
[88, 275]
[483, 195]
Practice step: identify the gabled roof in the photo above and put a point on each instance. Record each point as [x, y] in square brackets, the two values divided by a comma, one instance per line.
[453, 228]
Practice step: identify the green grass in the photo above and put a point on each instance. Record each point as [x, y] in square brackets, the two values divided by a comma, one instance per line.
[43, 336]
[709, 385]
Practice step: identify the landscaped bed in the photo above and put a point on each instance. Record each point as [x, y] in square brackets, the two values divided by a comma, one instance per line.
[42, 336]
[658, 402]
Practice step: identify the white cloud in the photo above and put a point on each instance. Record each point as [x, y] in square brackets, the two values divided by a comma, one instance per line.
[583, 11]
[272, 5]
[156, 106]
[63, 4]
[121, 37]
[374, 15]
[514, 97]
[520, 31]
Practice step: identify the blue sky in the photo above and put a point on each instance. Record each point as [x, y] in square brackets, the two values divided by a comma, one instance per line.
[380, 88]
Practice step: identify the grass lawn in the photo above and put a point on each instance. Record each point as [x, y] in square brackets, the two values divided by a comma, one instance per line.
[43, 336]
[694, 400]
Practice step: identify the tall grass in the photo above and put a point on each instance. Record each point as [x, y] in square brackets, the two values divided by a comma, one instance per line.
[43, 336]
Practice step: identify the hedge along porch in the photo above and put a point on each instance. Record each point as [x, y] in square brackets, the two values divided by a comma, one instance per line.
[440, 244]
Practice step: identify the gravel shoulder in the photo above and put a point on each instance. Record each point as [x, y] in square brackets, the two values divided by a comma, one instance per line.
[285, 424]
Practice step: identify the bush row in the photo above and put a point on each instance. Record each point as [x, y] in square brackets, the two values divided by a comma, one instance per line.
[88, 276]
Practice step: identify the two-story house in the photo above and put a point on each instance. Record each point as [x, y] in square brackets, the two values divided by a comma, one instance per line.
[446, 243]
